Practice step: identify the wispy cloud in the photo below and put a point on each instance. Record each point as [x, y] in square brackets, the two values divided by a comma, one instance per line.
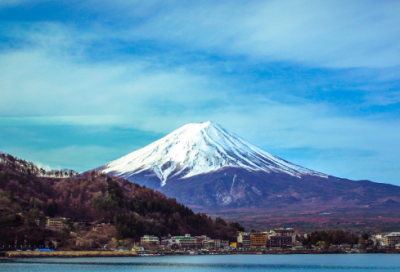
[384, 98]
[321, 33]
[281, 74]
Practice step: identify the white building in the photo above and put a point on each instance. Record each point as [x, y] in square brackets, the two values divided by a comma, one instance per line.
[149, 240]
[392, 239]
[244, 239]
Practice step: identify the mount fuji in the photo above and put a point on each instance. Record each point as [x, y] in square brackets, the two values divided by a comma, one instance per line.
[200, 148]
[206, 167]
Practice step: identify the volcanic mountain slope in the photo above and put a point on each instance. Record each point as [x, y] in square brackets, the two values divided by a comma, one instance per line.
[200, 148]
[203, 165]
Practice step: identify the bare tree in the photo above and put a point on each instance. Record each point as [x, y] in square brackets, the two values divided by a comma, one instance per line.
[72, 173]
[55, 243]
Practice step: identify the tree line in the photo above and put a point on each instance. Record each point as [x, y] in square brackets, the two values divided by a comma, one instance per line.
[325, 239]
[31, 169]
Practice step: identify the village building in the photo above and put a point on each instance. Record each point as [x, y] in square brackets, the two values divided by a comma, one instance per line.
[258, 239]
[285, 232]
[187, 241]
[392, 239]
[55, 224]
[244, 240]
[280, 242]
[149, 240]
[224, 243]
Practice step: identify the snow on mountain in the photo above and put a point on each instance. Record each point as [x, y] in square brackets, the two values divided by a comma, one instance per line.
[199, 148]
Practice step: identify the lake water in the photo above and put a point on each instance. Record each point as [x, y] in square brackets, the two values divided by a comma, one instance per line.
[209, 263]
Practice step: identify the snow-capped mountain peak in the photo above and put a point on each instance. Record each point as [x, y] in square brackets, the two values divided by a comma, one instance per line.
[199, 148]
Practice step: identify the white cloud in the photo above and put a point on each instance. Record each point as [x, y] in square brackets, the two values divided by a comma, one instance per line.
[45, 82]
[321, 33]
[42, 81]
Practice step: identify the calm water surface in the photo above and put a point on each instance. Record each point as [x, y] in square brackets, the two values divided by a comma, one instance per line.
[222, 263]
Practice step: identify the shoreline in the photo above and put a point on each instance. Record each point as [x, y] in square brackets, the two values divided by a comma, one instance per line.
[89, 254]
[68, 254]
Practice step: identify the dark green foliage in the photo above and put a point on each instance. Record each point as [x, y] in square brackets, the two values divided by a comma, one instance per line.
[52, 209]
[331, 237]
[114, 191]
[69, 224]
[128, 225]
[34, 218]
[104, 204]
[221, 221]
[9, 195]
[236, 226]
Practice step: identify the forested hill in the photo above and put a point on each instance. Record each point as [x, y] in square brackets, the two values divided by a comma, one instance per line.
[27, 194]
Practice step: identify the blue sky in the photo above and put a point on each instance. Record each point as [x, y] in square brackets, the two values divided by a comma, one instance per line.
[314, 82]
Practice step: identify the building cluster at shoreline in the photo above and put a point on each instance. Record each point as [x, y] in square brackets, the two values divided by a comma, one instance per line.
[277, 239]
[281, 238]
[186, 242]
